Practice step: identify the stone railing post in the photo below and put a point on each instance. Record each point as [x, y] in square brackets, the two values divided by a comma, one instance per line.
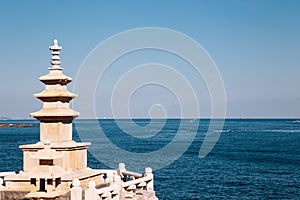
[117, 182]
[91, 192]
[148, 173]
[122, 167]
[1, 185]
[76, 190]
[110, 177]
[121, 170]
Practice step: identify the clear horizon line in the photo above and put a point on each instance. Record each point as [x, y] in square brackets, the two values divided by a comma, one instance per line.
[189, 118]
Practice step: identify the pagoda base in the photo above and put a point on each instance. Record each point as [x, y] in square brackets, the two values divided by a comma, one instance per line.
[74, 155]
[50, 168]
[22, 182]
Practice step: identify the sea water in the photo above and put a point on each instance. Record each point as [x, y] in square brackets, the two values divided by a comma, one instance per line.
[253, 158]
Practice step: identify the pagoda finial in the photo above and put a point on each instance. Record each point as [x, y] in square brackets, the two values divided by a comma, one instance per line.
[55, 55]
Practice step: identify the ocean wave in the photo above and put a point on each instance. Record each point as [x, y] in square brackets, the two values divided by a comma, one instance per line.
[282, 131]
[223, 131]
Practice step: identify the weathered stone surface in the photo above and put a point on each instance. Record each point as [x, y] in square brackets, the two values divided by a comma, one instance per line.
[13, 195]
[55, 164]
[50, 165]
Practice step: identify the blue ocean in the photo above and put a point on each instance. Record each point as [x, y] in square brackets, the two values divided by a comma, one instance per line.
[252, 159]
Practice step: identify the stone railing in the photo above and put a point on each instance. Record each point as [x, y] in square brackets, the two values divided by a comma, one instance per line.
[2, 183]
[119, 184]
[2, 175]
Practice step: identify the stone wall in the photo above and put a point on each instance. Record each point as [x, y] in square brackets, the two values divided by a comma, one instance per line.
[13, 195]
[20, 195]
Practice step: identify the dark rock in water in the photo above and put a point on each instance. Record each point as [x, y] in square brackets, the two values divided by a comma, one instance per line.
[4, 125]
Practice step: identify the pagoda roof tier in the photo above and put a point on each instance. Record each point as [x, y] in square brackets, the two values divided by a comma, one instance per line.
[47, 153]
[65, 146]
[55, 95]
[55, 78]
[47, 172]
[55, 114]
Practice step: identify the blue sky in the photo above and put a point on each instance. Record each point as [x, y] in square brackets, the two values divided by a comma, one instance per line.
[255, 44]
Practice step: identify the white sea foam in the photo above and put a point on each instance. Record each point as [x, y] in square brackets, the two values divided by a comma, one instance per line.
[282, 131]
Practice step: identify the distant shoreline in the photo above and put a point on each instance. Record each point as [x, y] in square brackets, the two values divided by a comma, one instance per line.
[5, 125]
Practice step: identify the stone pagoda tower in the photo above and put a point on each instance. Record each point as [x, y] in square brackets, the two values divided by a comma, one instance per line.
[55, 117]
[50, 165]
